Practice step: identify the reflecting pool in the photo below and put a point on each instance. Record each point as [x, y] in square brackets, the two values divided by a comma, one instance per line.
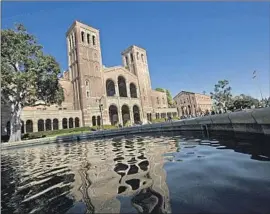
[142, 174]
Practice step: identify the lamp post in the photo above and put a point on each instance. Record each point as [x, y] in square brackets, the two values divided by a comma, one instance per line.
[100, 105]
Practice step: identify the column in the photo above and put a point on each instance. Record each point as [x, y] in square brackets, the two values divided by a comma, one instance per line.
[116, 90]
[60, 123]
[35, 127]
[131, 116]
[120, 117]
[128, 89]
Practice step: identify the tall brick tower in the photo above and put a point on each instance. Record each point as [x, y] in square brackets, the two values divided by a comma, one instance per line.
[135, 60]
[85, 66]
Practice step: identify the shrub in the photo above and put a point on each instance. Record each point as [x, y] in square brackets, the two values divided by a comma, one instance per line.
[159, 120]
[42, 134]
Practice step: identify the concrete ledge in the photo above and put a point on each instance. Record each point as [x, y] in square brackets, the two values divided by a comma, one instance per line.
[221, 119]
[262, 117]
[236, 124]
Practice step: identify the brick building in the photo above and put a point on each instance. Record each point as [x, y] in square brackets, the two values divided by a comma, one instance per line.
[95, 94]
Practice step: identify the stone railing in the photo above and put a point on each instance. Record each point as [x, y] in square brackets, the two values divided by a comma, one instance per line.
[237, 124]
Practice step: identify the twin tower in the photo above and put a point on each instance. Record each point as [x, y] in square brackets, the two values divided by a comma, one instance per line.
[89, 78]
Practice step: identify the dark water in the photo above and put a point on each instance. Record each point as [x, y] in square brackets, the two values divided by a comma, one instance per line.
[162, 174]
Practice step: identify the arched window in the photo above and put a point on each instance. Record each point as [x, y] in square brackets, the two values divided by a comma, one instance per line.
[122, 86]
[88, 38]
[133, 90]
[72, 40]
[77, 122]
[22, 126]
[157, 100]
[69, 39]
[98, 120]
[94, 121]
[113, 113]
[48, 125]
[137, 55]
[40, 125]
[94, 40]
[87, 88]
[70, 123]
[142, 57]
[29, 126]
[131, 57]
[125, 114]
[163, 100]
[64, 123]
[55, 124]
[110, 88]
[82, 35]
[127, 60]
[136, 114]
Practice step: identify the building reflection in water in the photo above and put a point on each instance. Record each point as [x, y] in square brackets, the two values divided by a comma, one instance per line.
[87, 177]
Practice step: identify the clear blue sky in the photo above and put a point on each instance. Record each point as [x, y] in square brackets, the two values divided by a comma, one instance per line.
[190, 45]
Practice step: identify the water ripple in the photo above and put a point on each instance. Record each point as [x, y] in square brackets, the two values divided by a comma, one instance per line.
[145, 174]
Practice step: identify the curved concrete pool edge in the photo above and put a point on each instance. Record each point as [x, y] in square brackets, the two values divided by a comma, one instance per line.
[242, 124]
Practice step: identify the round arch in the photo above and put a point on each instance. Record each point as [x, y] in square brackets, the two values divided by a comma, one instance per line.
[94, 122]
[125, 114]
[113, 114]
[55, 124]
[110, 87]
[133, 90]
[136, 114]
[40, 125]
[29, 126]
[122, 87]
[77, 122]
[48, 124]
[70, 123]
[64, 123]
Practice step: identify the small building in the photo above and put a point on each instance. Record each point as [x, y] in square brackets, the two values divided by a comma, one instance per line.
[194, 104]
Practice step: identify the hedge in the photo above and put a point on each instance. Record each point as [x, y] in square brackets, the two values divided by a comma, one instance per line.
[42, 134]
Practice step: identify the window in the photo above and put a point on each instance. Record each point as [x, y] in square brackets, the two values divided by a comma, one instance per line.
[157, 100]
[82, 35]
[72, 40]
[87, 94]
[88, 38]
[94, 40]
[86, 83]
[69, 43]
[142, 57]
[131, 57]
[137, 55]
[126, 60]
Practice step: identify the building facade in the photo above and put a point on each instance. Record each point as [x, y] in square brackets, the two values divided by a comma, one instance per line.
[192, 104]
[95, 94]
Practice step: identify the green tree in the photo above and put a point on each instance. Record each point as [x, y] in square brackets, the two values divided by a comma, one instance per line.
[170, 100]
[222, 94]
[28, 75]
[245, 101]
[265, 102]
